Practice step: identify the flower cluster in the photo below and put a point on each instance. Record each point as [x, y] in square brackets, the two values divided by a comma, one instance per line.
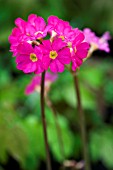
[35, 84]
[35, 53]
[97, 43]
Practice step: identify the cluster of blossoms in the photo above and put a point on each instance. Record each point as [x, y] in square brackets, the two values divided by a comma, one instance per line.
[35, 84]
[35, 53]
[97, 43]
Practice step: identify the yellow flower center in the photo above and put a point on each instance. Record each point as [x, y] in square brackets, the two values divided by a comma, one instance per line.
[62, 37]
[33, 57]
[69, 44]
[53, 54]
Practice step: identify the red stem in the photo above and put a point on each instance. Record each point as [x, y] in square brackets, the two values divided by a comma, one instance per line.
[82, 124]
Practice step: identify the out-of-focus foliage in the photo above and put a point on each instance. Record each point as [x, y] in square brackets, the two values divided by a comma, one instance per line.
[101, 144]
[21, 134]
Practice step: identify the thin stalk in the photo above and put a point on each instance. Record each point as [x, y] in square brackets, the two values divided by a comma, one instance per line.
[59, 133]
[82, 124]
[44, 123]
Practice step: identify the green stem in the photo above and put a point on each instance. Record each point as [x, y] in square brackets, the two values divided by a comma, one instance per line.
[82, 124]
[44, 123]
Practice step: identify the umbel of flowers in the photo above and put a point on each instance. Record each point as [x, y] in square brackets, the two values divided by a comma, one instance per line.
[35, 52]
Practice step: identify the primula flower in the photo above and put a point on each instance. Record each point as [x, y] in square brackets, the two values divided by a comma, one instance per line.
[73, 37]
[15, 39]
[36, 27]
[35, 84]
[97, 43]
[29, 59]
[55, 55]
[60, 28]
[33, 29]
[103, 42]
[79, 49]
[34, 54]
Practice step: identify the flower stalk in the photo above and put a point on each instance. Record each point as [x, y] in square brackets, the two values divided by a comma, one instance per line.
[44, 123]
[82, 124]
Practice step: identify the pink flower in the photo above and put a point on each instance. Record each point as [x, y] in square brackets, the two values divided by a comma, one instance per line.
[29, 59]
[103, 42]
[90, 36]
[36, 27]
[106, 36]
[33, 54]
[73, 37]
[57, 23]
[55, 55]
[15, 39]
[96, 42]
[60, 28]
[33, 29]
[36, 83]
[79, 49]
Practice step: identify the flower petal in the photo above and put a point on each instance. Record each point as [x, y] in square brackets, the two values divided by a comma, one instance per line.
[56, 66]
[64, 56]
[58, 44]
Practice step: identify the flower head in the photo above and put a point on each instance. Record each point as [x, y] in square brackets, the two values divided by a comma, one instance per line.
[72, 37]
[34, 54]
[103, 42]
[55, 55]
[60, 28]
[97, 43]
[35, 83]
[29, 59]
[79, 49]
[33, 29]
[15, 39]
[36, 27]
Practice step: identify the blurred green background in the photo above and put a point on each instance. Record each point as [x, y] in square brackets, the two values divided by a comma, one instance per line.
[21, 136]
